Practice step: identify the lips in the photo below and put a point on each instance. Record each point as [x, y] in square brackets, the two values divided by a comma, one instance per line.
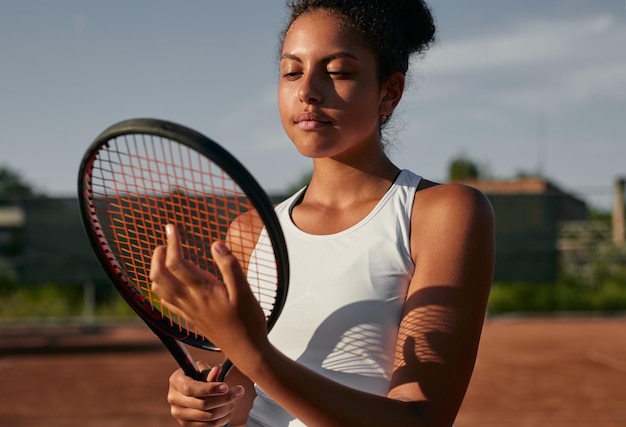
[311, 121]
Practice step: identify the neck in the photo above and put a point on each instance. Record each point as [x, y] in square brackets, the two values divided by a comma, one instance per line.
[335, 183]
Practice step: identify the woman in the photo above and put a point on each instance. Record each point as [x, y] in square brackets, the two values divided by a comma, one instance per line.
[390, 272]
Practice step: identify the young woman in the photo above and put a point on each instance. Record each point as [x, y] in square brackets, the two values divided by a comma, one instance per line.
[390, 273]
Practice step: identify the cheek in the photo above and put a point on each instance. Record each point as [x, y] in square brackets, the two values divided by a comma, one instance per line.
[363, 105]
[284, 109]
[363, 113]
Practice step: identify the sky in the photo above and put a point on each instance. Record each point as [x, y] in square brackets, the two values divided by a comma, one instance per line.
[515, 86]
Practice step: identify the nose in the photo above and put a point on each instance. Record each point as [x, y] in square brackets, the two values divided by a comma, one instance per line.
[309, 90]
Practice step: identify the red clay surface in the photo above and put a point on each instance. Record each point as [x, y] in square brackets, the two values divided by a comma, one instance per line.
[529, 372]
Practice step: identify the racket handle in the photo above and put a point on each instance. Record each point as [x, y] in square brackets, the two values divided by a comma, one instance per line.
[186, 361]
[181, 354]
[226, 367]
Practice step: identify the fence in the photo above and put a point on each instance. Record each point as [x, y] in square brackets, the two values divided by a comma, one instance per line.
[588, 251]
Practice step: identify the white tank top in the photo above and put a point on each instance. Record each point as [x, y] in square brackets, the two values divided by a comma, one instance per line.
[346, 295]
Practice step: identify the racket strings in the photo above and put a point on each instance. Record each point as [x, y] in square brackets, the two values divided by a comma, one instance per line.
[140, 183]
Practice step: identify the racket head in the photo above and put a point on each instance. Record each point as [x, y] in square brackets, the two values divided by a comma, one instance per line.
[141, 174]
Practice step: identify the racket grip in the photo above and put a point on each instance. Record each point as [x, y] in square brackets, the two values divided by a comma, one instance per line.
[180, 354]
[226, 367]
[184, 358]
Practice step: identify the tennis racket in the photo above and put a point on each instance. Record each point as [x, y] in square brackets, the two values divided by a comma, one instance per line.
[141, 174]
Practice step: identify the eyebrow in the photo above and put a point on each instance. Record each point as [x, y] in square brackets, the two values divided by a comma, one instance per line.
[325, 59]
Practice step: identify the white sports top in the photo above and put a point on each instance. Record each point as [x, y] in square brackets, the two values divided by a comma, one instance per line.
[345, 300]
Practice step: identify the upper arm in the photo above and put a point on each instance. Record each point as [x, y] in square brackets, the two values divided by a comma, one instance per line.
[452, 244]
[242, 236]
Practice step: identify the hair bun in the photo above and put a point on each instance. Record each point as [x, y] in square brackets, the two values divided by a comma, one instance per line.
[415, 22]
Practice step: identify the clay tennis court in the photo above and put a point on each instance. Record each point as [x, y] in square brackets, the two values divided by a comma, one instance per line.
[530, 372]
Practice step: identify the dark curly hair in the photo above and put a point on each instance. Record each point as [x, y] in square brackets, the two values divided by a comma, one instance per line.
[393, 29]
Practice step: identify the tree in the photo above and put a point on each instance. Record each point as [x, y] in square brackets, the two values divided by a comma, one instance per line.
[12, 184]
[462, 169]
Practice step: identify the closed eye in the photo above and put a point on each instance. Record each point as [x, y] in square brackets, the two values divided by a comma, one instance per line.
[339, 74]
[292, 75]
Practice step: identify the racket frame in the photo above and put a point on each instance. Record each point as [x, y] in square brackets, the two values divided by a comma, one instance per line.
[161, 325]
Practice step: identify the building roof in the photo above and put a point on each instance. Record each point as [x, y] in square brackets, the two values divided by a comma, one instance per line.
[515, 186]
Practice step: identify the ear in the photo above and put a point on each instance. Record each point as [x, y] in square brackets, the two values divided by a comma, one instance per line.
[391, 93]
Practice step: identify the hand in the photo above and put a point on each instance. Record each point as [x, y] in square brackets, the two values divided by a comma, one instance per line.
[199, 403]
[226, 313]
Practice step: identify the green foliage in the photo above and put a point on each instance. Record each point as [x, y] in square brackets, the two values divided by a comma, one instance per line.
[40, 301]
[525, 174]
[600, 215]
[7, 276]
[55, 301]
[462, 168]
[114, 306]
[12, 184]
[564, 295]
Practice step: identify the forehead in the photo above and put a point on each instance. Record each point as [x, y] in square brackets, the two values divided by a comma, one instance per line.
[322, 31]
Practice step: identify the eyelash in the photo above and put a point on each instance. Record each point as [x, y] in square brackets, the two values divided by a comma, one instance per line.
[295, 74]
[292, 75]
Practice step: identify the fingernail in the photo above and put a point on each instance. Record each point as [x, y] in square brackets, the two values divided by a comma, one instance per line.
[168, 230]
[222, 388]
[221, 248]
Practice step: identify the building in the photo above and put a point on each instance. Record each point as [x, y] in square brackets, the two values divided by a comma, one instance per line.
[529, 213]
[42, 241]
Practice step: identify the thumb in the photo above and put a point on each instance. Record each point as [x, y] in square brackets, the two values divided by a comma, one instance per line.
[229, 266]
[209, 373]
[205, 371]
[174, 250]
[212, 373]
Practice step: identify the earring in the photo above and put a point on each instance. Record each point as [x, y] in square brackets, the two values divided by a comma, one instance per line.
[383, 118]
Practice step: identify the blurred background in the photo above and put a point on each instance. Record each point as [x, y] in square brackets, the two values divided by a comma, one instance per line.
[523, 100]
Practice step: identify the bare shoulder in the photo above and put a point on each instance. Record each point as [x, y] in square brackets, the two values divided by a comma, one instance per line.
[435, 201]
[439, 195]
[242, 235]
[444, 213]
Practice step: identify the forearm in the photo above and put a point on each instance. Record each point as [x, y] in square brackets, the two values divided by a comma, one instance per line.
[319, 401]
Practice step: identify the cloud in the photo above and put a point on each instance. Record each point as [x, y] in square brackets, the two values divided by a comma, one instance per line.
[525, 44]
[548, 64]
[538, 93]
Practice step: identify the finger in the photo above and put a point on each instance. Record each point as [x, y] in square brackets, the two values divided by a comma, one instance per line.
[174, 253]
[202, 365]
[183, 388]
[189, 417]
[163, 284]
[229, 266]
[179, 268]
[213, 373]
[160, 285]
[156, 263]
[208, 373]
